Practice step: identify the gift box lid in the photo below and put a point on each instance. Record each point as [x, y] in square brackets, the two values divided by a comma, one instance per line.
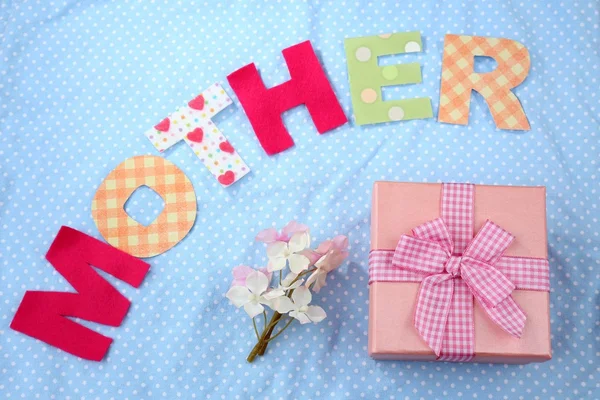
[399, 207]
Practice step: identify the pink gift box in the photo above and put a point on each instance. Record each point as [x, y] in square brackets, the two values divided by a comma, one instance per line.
[400, 207]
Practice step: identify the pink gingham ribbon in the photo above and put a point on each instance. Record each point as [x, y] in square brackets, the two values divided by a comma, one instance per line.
[453, 268]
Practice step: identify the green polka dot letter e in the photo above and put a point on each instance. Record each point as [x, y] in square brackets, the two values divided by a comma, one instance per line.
[367, 78]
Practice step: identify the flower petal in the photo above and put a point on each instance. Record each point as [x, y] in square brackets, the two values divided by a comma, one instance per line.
[312, 255]
[322, 261]
[298, 263]
[288, 279]
[300, 316]
[273, 294]
[332, 260]
[296, 284]
[319, 283]
[265, 271]
[340, 242]
[277, 249]
[267, 302]
[267, 236]
[283, 305]
[316, 314]
[238, 295]
[293, 227]
[312, 278]
[324, 247]
[239, 275]
[301, 296]
[299, 241]
[257, 282]
[276, 264]
[253, 308]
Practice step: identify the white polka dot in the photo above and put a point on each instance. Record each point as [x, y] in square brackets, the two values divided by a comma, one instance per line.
[412, 47]
[396, 113]
[363, 54]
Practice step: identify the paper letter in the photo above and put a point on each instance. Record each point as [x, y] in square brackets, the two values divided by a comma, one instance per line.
[308, 85]
[168, 229]
[42, 315]
[193, 124]
[459, 78]
[367, 78]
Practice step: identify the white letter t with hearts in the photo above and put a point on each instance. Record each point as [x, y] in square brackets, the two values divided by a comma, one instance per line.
[193, 124]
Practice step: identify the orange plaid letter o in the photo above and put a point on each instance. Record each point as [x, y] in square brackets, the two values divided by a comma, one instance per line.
[168, 229]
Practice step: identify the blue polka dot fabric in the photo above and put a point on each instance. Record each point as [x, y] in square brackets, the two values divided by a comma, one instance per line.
[80, 83]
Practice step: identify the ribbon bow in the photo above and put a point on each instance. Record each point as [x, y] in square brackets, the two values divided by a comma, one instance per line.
[444, 311]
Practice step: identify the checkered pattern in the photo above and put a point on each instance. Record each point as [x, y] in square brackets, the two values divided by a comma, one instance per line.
[123, 232]
[420, 255]
[382, 269]
[457, 213]
[488, 284]
[444, 311]
[526, 273]
[459, 335]
[436, 231]
[433, 309]
[489, 244]
[458, 78]
[507, 315]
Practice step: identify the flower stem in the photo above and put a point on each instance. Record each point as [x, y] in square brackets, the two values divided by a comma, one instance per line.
[264, 339]
[255, 330]
[281, 330]
[301, 274]
[261, 346]
[269, 331]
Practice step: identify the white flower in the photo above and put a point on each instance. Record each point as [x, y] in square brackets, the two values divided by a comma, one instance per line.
[251, 296]
[300, 308]
[286, 284]
[280, 253]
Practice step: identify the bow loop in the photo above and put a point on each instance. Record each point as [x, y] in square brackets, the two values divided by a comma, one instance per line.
[489, 244]
[487, 284]
[436, 231]
[419, 255]
[428, 250]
